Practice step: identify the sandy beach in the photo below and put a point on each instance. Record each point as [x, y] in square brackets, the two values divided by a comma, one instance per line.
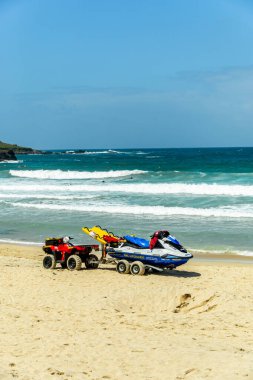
[192, 323]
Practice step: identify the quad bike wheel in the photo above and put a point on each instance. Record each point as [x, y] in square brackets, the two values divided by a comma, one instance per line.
[49, 262]
[137, 268]
[74, 262]
[123, 266]
[91, 262]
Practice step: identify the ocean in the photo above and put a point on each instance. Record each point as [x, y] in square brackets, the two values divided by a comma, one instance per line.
[204, 197]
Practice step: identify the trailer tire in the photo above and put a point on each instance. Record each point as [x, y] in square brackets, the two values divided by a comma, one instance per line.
[137, 268]
[49, 262]
[74, 262]
[123, 267]
[91, 262]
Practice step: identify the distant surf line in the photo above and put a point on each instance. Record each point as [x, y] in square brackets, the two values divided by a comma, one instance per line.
[69, 174]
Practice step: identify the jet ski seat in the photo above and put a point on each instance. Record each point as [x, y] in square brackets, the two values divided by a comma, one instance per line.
[141, 243]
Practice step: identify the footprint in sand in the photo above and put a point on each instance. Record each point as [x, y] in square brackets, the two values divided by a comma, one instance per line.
[183, 302]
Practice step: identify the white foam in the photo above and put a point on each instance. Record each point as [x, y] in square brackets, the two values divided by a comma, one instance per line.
[221, 252]
[60, 174]
[109, 151]
[21, 242]
[244, 253]
[114, 151]
[11, 162]
[141, 188]
[46, 196]
[222, 212]
[98, 152]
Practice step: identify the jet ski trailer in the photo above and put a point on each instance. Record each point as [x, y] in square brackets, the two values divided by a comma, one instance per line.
[135, 255]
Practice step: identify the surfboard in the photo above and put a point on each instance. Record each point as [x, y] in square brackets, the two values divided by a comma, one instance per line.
[100, 234]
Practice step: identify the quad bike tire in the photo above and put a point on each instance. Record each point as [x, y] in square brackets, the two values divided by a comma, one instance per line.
[123, 267]
[137, 268]
[74, 262]
[49, 262]
[91, 262]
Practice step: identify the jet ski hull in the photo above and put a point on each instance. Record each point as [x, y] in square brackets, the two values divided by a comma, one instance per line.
[165, 261]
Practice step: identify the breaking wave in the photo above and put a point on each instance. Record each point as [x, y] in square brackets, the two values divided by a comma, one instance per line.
[109, 151]
[11, 162]
[46, 196]
[60, 174]
[222, 212]
[141, 188]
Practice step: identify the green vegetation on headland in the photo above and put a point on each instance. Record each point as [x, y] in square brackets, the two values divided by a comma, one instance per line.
[9, 151]
[16, 148]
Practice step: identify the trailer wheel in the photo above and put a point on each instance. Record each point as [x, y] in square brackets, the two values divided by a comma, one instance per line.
[137, 268]
[74, 262]
[123, 266]
[49, 262]
[91, 262]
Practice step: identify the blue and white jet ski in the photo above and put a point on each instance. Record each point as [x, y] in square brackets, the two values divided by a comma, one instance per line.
[135, 254]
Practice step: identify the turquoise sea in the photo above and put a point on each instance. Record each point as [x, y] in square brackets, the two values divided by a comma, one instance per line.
[202, 196]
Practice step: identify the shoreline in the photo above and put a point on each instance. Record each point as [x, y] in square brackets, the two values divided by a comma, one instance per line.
[197, 257]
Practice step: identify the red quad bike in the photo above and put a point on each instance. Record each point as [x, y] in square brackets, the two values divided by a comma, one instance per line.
[60, 250]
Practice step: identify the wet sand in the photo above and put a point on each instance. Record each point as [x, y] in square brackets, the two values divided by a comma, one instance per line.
[192, 323]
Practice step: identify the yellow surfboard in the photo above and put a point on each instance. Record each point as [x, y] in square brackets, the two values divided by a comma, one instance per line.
[98, 233]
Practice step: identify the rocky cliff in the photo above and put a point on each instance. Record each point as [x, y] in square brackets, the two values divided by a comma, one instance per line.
[7, 155]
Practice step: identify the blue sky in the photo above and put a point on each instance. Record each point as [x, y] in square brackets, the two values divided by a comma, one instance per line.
[125, 74]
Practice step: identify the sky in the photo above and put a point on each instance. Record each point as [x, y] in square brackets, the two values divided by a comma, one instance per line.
[126, 74]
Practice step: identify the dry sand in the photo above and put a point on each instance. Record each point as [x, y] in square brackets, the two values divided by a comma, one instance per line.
[193, 323]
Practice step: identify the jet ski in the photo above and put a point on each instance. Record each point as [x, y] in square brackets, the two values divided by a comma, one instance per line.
[136, 255]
